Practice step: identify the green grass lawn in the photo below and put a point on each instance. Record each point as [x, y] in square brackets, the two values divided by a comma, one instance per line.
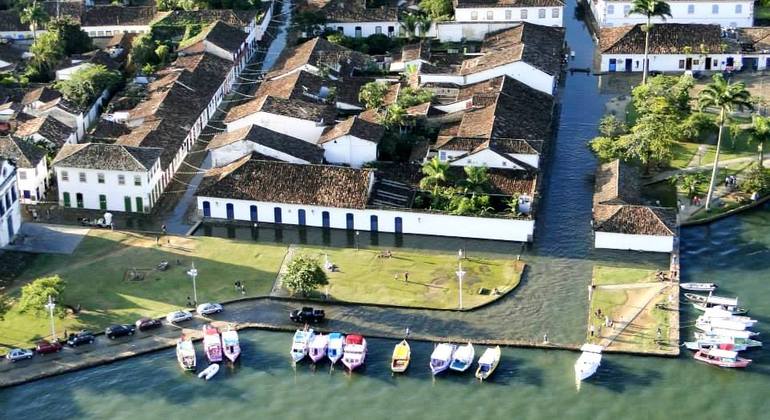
[365, 277]
[684, 152]
[96, 278]
[604, 275]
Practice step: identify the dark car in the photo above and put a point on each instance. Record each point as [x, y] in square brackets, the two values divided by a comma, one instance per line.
[307, 315]
[144, 324]
[83, 337]
[45, 347]
[120, 330]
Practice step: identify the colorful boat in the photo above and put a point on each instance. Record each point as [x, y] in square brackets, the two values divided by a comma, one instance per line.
[336, 347]
[488, 363]
[317, 347]
[738, 338]
[588, 362]
[231, 344]
[300, 343]
[462, 358]
[354, 353]
[714, 343]
[441, 357]
[721, 358]
[185, 353]
[212, 343]
[402, 354]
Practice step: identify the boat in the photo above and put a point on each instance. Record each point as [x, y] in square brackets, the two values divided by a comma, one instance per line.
[488, 363]
[724, 303]
[721, 358]
[698, 287]
[300, 343]
[441, 357]
[209, 372]
[354, 352]
[212, 343]
[588, 362]
[185, 353]
[705, 324]
[336, 345]
[714, 343]
[231, 344]
[717, 313]
[402, 354]
[463, 357]
[692, 297]
[736, 338]
[317, 347]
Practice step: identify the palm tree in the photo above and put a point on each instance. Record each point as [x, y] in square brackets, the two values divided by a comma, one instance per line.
[409, 23]
[476, 179]
[424, 23]
[436, 173]
[34, 16]
[726, 97]
[649, 8]
[759, 133]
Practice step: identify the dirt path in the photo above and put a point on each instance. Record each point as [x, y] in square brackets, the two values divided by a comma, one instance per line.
[635, 305]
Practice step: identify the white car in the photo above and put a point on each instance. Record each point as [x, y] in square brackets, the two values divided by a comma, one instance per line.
[209, 308]
[19, 354]
[178, 316]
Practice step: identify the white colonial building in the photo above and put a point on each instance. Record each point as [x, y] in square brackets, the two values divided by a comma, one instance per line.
[297, 118]
[354, 19]
[225, 148]
[474, 19]
[31, 167]
[10, 211]
[726, 13]
[352, 142]
[108, 177]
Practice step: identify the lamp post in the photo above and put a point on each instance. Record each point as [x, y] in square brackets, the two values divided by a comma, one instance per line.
[357, 233]
[460, 274]
[193, 272]
[51, 306]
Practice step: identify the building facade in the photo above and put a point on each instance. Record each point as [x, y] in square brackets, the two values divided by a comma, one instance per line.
[10, 211]
[540, 12]
[726, 13]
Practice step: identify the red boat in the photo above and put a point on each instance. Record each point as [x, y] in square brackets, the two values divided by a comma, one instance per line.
[722, 358]
[212, 343]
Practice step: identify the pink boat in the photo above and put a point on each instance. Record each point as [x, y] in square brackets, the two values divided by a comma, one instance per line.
[722, 358]
[212, 343]
[354, 352]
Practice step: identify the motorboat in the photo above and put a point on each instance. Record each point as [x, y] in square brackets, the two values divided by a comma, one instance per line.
[209, 372]
[212, 343]
[441, 357]
[488, 363]
[463, 357]
[588, 362]
[336, 346]
[705, 324]
[402, 354]
[692, 297]
[698, 287]
[231, 344]
[317, 347]
[185, 353]
[354, 352]
[717, 313]
[300, 344]
[724, 303]
[713, 343]
[736, 338]
[722, 358]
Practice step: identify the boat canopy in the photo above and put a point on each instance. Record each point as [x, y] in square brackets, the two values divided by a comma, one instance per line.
[718, 300]
[487, 358]
[443, 352]
[726, 354]
[354, 339]
[401, 352]
[591, 348]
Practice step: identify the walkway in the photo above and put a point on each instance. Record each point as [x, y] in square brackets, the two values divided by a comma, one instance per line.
[631, 310]
[662, 176]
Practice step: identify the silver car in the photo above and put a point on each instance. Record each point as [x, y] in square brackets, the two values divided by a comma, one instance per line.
[178, 316]
[209, 308]
[19, 354]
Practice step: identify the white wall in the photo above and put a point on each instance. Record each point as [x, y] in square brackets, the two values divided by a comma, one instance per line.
[487, 158]
[614, 13]
[110, 30]
[295, 127]
[115, 193]
[367, 28]
[226, 154]
[413, 222]
[11, 210]
[518, 70]
[634, 242]
[469, 31]
[350, 150]
[34, 181]
[552, 16]
[670, 62]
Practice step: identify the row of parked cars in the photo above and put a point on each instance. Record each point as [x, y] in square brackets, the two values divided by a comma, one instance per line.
[112, 332]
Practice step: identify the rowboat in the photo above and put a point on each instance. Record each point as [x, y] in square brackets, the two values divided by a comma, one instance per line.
[692, 297]
[354, 353]
[335, 348]
[318, 347]
[209, 372]
[441, 357]
[717, 313]
[185, 353]
[299, 344]
[212, 343]
[588, 362]
[463, 357]
[402, 354]
[231, 344]
[721, 358]
[488, 363]
[698, 287]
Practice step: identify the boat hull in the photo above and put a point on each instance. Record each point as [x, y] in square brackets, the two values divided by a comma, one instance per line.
[698, 287]
[737, 364]
[402, 354]
[483, 373]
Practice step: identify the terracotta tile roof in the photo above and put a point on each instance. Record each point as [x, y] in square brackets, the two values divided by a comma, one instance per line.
[237, 18]
[107, 157]
[24, 153]
[507, 3]
[295, 108]
[370, 115]
[420, 110]
[48, 127]
[320, 53]
[273, 140]
[416, 51]
[108, 130]
[489, 87]
[665, 38]
[43, 94]
[119, 15]
[755, 39]
[281, 182]
[354, 126]
[224, 36]
[616, 183]
[391, 96]
[353, 11]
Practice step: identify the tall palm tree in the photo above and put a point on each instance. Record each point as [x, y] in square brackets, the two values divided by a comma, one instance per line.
[409, 24]
[726, 97]
[424, 23]
[436, 173]
[34, 16]
[650, 9]
[759, 133]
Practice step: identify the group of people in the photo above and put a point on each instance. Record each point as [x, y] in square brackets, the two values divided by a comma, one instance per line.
[731, 181]
[240, 287]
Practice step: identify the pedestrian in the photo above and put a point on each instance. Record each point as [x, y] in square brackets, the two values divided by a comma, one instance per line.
[237, 286]
[659, 333]
[406, 276]
[406, 331]
[607, 321]
[189, 301]
[163, 229]
[592, 329]
[727, 181]
[243, 290]
[157, 239]
[545, 338]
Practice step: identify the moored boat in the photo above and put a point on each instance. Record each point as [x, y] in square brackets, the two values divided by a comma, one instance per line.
[231, 344]
[300, 343]
[212, 343]
[441, 357]
[185, 353]
[402, 354]
[462, 358]
[736, 338]
[692, 297]
[588, 362]
[723, 303]
[707, 324]
[713, 344]
[354, 352]
[698, 287]
[721, 358]
[717, 313]
[209, 372]
[488, 363]
[317, 347]
[335, 347]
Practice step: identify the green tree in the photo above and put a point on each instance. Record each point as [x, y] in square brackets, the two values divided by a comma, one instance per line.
[650, 141]
[34, 295]
[650, 9]
[759, 133]
[755, 180]
[424, 23]
[607, 146]
[394, 117]
[476, 179]
[86, 84]
[34, 16]
[143, 51]
[664, 95]
[303, 275]
[726, 97]
[689, 182]
[72, 38]
[372, 94]
[309, 22]
[162, 52]
[47, 51]
[438, 9]
[436, 174]
[409, 23]
[410, 97]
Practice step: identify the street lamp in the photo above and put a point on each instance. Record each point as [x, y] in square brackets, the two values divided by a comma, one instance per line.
[51, 306]
[193, 272]
[460, 274]
[357, 233]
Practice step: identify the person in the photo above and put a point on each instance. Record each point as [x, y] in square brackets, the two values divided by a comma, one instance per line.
[189, 301]
[545, 338]
[243, 290]
[237, 285]
[607, 321]
[406, 276]
[592, 329]
[659, 333]
[163, 229]
[406, 331]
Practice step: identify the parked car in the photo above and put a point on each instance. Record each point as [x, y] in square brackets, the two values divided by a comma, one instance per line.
[144, 324]
[307, 315]
[45, 347]
[82, 337]
[178, 316]
[119, 330]
[19, 354]
[209, 308]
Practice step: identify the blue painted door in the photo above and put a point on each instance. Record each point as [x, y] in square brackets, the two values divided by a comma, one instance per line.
[349, 221]
[277, 215]
[613, 64]
[253, 211]
[399, 225]
[230, 211]
[373, 223]
[325, 222]
[206, 209]
[301, 217]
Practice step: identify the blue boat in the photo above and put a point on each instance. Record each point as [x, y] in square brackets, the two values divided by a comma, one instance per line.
[336, 347]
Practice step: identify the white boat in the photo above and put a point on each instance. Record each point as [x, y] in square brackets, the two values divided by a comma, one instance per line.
[300, 343]
[699, 287]
[441, 357]
[588, 362]
[714, 343]
[730, 333]
[724, 303]
[463, 357]
[231, 344]
[706, 324]
[717, 313]
[335, 347]
[209, 372]
[488, 362]
[738, 338]
[317, 348]
[354, 353]
[185, 353]
[212, 343]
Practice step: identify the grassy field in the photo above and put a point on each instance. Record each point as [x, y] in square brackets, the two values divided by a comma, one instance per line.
[366, 277]
[604, 275]
[98, 279]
